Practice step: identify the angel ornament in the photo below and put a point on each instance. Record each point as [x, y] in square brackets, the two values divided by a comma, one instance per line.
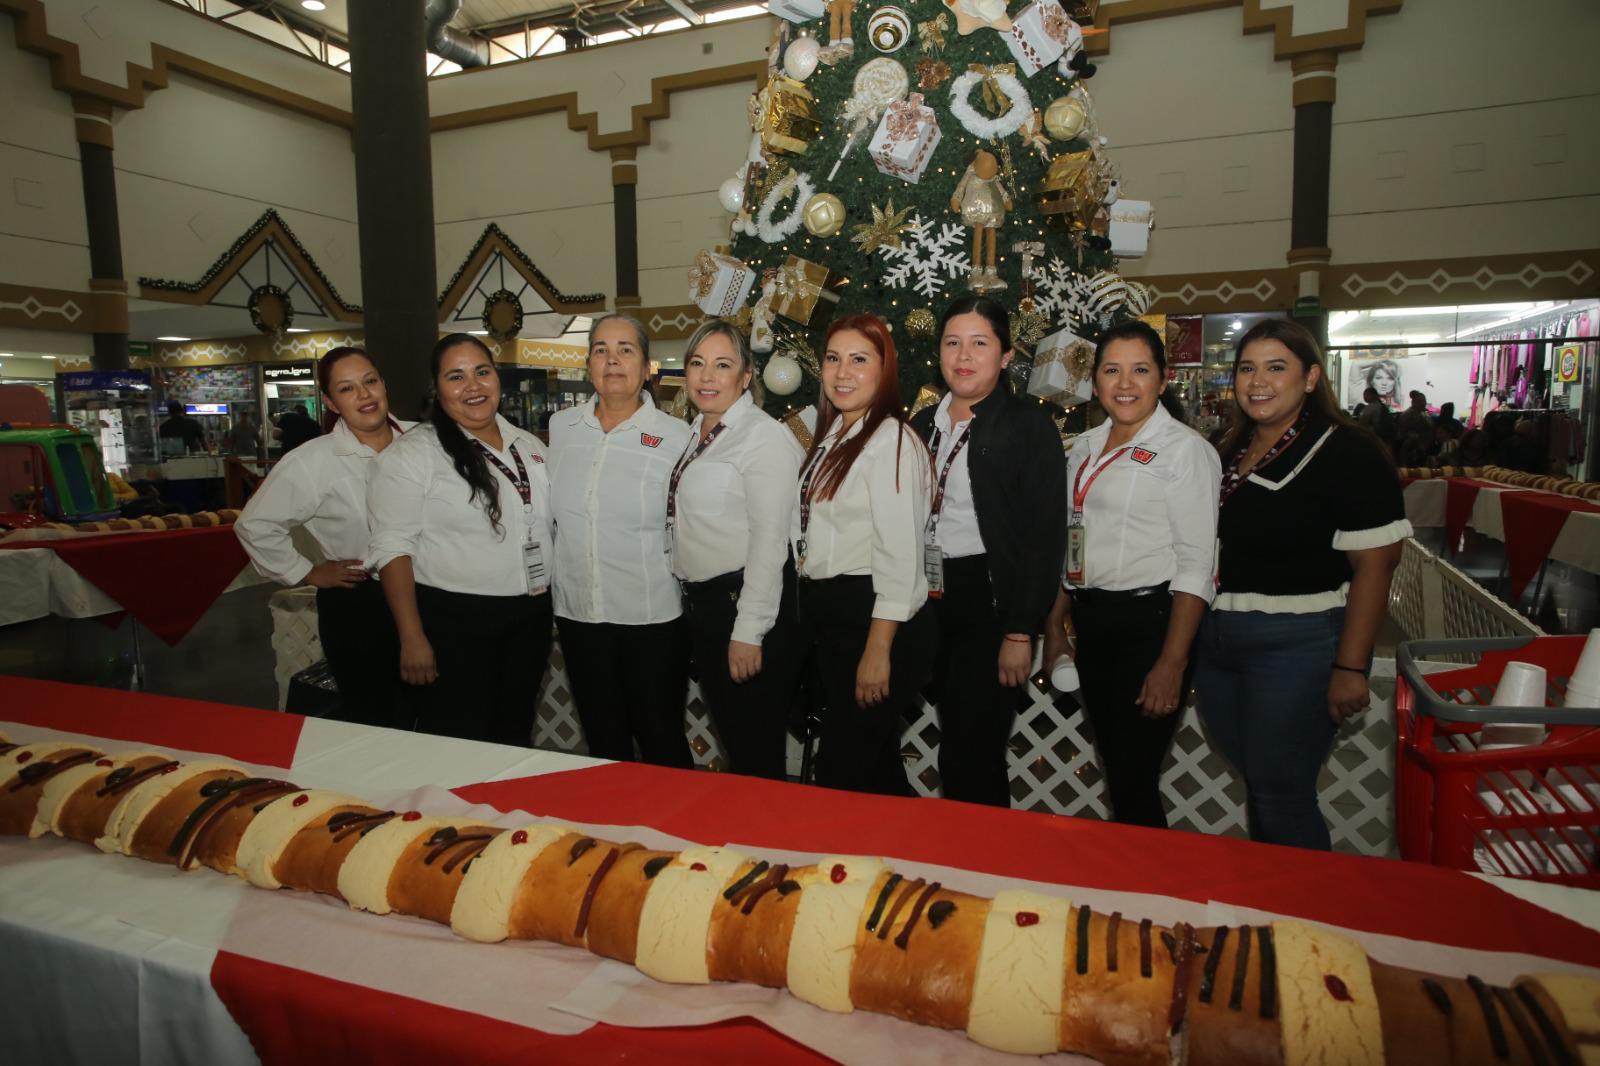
[983, 200]
[840, 44]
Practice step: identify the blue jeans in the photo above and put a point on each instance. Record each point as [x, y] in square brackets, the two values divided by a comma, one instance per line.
[1262, 683]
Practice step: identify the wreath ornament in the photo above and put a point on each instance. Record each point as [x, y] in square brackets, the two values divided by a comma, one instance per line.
[1000, 85]
[794, 186]
[271, 311]
[502, 315]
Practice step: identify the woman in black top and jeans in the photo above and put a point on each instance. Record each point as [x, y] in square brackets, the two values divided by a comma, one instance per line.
[1310, 529]
[995, 536]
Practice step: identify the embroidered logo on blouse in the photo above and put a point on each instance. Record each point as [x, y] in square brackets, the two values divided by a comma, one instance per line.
[648, 441]
[1142, 456]
[536, 457]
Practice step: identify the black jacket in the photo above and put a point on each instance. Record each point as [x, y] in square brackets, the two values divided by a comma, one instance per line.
[1019, 489]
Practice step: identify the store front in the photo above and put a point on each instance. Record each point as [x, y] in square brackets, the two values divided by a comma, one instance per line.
[115, 406]
[288, 387]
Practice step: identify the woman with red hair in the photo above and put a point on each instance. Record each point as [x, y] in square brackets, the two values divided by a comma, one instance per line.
[864, 499]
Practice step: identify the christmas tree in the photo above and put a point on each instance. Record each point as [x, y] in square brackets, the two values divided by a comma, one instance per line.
[901, 156]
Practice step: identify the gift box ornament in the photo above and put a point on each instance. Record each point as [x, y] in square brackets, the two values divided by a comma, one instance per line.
[905, 139]
[718, 284]
[806, 292]
[789, 121]
[1063, 366]
[798, 10]
[1038, 36]
[1068, 183]
[1131, 222]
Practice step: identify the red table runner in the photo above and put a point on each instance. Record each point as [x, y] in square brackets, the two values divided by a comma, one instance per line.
[167, 580]
[1533, 520]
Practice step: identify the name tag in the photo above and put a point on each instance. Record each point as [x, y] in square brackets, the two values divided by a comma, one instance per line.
[932, 563]
[1075, 549]
[533, 566]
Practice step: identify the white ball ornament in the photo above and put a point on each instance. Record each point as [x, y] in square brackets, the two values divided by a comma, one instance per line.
[888, 29]
[800, 58]
[1065, 118]
[824, 215]
[730, 194]
[782, 375]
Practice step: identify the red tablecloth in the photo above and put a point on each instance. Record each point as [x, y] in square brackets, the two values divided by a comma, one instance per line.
[1533, 521]
[295, 1017]
[167, 580]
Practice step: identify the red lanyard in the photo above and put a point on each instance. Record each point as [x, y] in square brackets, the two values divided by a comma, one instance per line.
[1080, 491]
[1233, 481]
[519, 480]
[683, 465]
[938, 493]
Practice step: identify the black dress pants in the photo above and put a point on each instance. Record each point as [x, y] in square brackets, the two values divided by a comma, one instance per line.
[630, 684]
[491, 653]
[363, 651]
[752, 716]
[975, 709]
[1119, 639]
[860, 747]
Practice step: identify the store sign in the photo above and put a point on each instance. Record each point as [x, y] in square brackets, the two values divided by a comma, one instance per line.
[288, 373]
[1569, 357]
[106, 381]
[205, 408]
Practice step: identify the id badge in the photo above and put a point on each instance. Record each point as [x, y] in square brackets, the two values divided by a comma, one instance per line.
[932, 564]
[533, 566]
[1075, 548]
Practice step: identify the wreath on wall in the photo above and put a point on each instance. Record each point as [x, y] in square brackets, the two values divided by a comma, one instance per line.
[502, 315]
[271, 310]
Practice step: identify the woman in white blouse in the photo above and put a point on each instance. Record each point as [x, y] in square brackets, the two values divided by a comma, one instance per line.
[729, 504]
[864, 500]
[1141, 562]
[618, 607]
[322, 486]
[461, 537]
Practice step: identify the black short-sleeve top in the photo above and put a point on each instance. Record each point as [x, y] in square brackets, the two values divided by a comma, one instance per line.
[1285, 530]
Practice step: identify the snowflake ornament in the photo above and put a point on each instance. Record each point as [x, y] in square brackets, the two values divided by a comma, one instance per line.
[1063, 294]
[928, 257]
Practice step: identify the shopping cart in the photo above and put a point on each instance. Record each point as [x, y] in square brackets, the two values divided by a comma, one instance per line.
[1530, 811]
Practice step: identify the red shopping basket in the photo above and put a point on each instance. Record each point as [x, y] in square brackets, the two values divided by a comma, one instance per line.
[1530, 812]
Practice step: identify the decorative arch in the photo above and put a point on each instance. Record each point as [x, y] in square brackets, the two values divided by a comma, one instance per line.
[497, 272]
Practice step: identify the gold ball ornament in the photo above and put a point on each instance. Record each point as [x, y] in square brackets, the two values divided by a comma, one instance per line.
[1065, 118]
[823, 215]
[920, 324]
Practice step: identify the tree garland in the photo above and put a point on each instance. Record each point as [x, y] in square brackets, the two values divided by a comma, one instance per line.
[981, 126]
[794, 184]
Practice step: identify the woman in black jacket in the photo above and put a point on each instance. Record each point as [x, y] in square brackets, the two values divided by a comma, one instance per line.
[993, 545]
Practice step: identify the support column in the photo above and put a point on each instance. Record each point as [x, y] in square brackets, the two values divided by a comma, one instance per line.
[109, 313]
[394, 193]
[625, 221]
[1315, 85]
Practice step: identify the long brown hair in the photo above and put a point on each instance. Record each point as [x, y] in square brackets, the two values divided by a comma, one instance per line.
[885, 405]
[1295, 337]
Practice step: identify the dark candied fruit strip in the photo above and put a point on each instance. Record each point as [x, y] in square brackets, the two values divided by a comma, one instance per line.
[1439, 997]
[481, 839]
[1241, 969]
[1113, 927]
[1208, 979]
[1336, 987]
[1183, 964]
[904, 938]
[446, 833]
[1491, 1017]
[360, 825]
[1170, 942]
[40, 772]
[1552, 1034]
[786, 887]
[1144, 948]
[1269, 974]
[579, 848]
[766, 884]
[940, 911]
[270, 788]
[588, 893]
[912, 888]
[735, 890]
[126, 777]
[1524, 1028]
[655, 866]
[883, 901]
[474, 847]
[1083, 939]
[213, 796]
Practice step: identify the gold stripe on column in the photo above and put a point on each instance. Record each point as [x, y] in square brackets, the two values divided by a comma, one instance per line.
[1315, 77]
[624, 171]
[92, 120]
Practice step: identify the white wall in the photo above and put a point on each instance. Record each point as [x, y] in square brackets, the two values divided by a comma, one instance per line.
[43, 238]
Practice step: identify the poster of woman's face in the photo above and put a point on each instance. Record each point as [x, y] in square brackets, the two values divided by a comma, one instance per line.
[1391, 376]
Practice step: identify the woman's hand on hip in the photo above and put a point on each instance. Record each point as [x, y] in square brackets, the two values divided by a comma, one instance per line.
[417, 666]
[744, 661]
[1347, 694]
[872, 676]
[1162, 692]
[337, 574]
[1016, 659]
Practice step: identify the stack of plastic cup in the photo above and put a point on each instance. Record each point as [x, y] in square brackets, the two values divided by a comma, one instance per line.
[1583, 690]
[1521, 685]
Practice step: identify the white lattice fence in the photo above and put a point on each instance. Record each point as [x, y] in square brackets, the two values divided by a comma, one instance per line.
[1431, 599]
[1053, 763]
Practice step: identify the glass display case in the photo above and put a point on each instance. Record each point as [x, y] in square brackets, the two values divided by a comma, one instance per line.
[222, 399]
[117, 408]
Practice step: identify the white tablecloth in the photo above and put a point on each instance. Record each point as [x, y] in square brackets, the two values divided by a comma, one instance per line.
[35, 582]
[1578, 544]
